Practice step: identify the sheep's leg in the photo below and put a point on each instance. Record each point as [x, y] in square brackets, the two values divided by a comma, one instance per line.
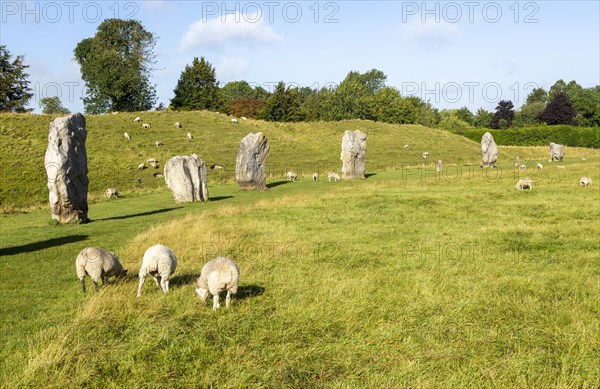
[158, 282]
[165, 284]
[139, 293]
[216, 301]
[227, 299]
[83, 284]
[96, 285]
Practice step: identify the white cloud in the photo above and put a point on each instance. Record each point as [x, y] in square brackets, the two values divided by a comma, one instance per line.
[429, 33]
[231, 69]
[239, 27]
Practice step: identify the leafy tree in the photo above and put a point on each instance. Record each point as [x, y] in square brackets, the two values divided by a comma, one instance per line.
[352, 98]
[529, 114]
[52, 106]
[283, 105]
[246, 107]
[160, 107]
[465, 115]
[115, 65]
[559, 86]
[238, 90]
[14, 86]
[197, 88]
[538, 95]
[483, 118]
[504, 115]
[559, 110]
[387, 105]
[314, 107]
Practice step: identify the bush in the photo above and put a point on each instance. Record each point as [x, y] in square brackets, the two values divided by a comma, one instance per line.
[542, 135]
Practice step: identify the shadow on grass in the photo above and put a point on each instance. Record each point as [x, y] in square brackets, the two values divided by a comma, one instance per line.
[249, 291]
[370, 175]
[138, 214]
[41, 245]
[219, 198]
[183, 279]
[277, 183]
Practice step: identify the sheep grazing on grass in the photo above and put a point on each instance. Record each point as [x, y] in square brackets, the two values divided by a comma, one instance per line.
[425, 155]
[525, 183]
[244, 118]
[216, 166]
[291, 176]
[315, 176]
[152, 160]
[145, 125]
[142, 166]
[127, 136]
[112, 193]
[98, 263]
[218, 275]
[539, 166]
[158, 143]
[189, 135]
[154, 166]
[406, 146]
[137, 119]
[234, 121]
[333, 177]
[522, 167]
[160, 262]
[157, 175]
[585, 182]
[177, 125]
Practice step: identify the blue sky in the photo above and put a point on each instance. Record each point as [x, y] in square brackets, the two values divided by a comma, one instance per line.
[453, 54]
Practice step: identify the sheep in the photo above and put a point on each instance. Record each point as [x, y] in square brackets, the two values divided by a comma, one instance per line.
[142, 166]
[406, 146]
[525, 183]
[333, 177]
[137, 119]
[112, 193]
[218, 275]
[216, 166]
[152, 160]
[160, 262]
[157, 175]
[234, 121]
[244, 118]
[315, 176]
[585, 182]
[154, 166]
[539, 166]
[291, 176]
[158, 143]
[98, 263]
[522, 167]
[145, 126]
[425, 155]
[177, 125]
[189, 135]
[127, 136]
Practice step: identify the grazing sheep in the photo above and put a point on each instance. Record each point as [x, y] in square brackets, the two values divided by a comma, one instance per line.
[406, 146]
[142, 166]
[112, 193]
[333, 177]
[189, 135]
[539, 166]
[291, 176]
[154, 166]
[234, 121]
[127, 136]
[425, 155]
[585, 182]
[522, 167]
[315, 176]
[244, 118]
[525, 183]
[98, 263]
[145, 125]
[157, 175]
[137, 119]
[218, 275]
[158, 143]
[216, 166]
[160, 262]
[152, 160]
[177, 125]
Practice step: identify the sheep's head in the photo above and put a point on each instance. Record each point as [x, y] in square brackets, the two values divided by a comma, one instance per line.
[202, 293]
[123, 274]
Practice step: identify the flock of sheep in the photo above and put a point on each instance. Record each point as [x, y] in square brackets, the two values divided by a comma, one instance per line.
[218, 275]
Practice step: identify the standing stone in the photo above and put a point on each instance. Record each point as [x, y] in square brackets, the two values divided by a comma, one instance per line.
[556, 152]
[251, 161]
[517, 161]
[440, 167]
[583, 158]
[66, 167]
[354, 148]
[186, 177]
[489, 150]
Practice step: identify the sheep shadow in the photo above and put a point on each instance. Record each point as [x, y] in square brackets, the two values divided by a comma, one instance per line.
[41, 245]
[219, 198]
[275, 184]
[249, 291]
[370, 175]
[139, 214]
[183, 279]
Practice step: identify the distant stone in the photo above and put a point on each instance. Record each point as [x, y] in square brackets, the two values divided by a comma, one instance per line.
[251, 161]
[186, 177]
[556, 152]
[67, 170]
[517, 161]
[489, 150]
[439, 168]
[583, 157]
[354, 149]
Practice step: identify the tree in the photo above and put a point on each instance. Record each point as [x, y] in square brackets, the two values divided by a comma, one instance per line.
[529, 114]
[538, 95]
[14, 86]
[160, 107]
[465, 115]
[197, 88]
[115, 65]
[283, 105]
[559, 110]
[53, 106]
[559, 86]
[352, 98]
[249, 108]
[483, 118]
[504, 115]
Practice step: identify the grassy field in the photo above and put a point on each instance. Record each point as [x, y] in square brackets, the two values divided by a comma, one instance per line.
[405, 279]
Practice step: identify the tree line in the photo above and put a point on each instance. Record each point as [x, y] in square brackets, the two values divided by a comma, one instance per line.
[117, 62]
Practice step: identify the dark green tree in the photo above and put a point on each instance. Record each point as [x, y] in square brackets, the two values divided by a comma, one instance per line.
[53, 106]
[116, 67]
[197, 88]
[483, 118]
[465, 115]
[538, 95]
[353, 97]
[14, 86]
[559, 110]
[504, 115]
[529, 114]
[283, 105]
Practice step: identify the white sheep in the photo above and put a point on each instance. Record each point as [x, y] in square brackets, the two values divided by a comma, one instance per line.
[425, 155]
[160, 262]
[152, 160]
[333, 177]
[585, 182]
[216, 166]
[291, 176]
[539, 166]
[234, 121]
[142, 166]
[218, 275]
[145, 125]
[244, 118]
[98, 263]
[522, 167]
[158, 143]
[525, 183]
[315, 176]
[112, 193]
[137, 119]
[177, 125]
[406, 146]
[157, 175]
[189, 135]
[127, 136]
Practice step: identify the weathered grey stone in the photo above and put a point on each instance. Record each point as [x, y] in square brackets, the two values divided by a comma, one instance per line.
[556, 152]
[186, 177]
[489, 150]
[66, 167]
[439, 168]
[251, 161]
[354, 149]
